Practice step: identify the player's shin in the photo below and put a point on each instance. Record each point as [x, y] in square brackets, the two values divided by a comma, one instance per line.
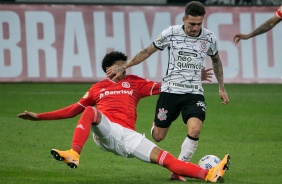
[180, 167]
[188, 148]
[82, 129]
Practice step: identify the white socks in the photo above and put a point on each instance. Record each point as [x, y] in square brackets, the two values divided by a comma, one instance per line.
[188, 148]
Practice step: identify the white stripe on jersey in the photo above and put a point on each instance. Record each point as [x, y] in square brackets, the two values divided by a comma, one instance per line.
[186, 58]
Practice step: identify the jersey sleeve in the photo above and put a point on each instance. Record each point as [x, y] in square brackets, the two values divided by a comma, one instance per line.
[213, 46]
[90, 97]
[146, 87]
[279, 12]
[66, 112]
[162, 41]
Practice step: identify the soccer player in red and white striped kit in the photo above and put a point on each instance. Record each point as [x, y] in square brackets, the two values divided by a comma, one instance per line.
[109, 110]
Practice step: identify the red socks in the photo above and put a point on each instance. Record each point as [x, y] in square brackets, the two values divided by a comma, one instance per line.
[81, 132]
[180, 167]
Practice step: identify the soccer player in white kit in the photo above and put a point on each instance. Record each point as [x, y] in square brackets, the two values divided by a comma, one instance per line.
[266, 26]
[109, 110]
[181, 89]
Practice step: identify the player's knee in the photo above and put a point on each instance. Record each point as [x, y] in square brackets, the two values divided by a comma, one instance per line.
[157, 137]
[194, 133]
[92, 114]
[158, 133]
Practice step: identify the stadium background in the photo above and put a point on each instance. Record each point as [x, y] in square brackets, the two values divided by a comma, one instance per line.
[44, 41]
[249, 128]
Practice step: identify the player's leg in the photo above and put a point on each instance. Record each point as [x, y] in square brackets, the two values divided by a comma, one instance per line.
[147, 151]
[190, 143]
[189, 169]
[167, 110]
[193, 114]
[90, 116]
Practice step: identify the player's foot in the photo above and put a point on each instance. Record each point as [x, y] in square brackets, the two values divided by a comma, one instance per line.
[177, 177]
[215, 174]
[70, 157]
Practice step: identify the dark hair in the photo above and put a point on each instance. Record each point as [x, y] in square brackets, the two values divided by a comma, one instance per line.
[195, 8]
[111, 58]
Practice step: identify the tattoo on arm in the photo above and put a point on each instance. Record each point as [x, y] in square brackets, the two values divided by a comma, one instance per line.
[218, 70]
[263, 28]
[140, 56]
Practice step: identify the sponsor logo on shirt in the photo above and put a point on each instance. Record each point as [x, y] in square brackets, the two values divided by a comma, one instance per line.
[187, 65]
[184, 60]
[183, 53]
[119, 92]
[181, 85]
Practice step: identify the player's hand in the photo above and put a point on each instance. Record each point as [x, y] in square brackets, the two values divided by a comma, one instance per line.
[115, 71]
[239, 37]
[224, 96]
[207, 74]
[28, 116]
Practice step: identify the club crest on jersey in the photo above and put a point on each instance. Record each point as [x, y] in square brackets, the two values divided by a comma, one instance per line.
[203, 45]
[125, 85]
[162, 114]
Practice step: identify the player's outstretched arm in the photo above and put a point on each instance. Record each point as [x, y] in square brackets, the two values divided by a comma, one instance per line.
[218, 71]
[66, 112]
[266, 26]
[28, 116]
[115, 71]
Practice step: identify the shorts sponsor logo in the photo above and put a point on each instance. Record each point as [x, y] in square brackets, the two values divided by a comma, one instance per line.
[162, 114]
[201, 104]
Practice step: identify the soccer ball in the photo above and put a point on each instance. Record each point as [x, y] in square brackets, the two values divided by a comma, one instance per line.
[208, 161]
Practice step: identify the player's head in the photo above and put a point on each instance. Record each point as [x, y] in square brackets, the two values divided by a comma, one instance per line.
[193, 18]
[113, 58]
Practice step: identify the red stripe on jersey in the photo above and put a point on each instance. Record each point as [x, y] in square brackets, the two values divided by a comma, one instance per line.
[279, 12]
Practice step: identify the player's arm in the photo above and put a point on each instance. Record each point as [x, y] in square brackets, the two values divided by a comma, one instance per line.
[140, 56]
[156, 89]
[117, 70]
[218, 71]
[66, 112]
[266, 26]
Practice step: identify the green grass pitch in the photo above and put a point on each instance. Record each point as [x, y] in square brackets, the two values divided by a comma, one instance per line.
[249, 129]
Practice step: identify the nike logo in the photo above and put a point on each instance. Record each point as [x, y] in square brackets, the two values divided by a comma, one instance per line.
[216, 176]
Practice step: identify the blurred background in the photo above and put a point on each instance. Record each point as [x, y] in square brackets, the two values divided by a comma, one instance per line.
[66, 40]
[160, 2]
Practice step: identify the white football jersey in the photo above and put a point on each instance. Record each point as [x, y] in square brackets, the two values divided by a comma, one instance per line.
[186, 58]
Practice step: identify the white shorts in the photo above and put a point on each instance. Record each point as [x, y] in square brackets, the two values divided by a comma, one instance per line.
[122, 141]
